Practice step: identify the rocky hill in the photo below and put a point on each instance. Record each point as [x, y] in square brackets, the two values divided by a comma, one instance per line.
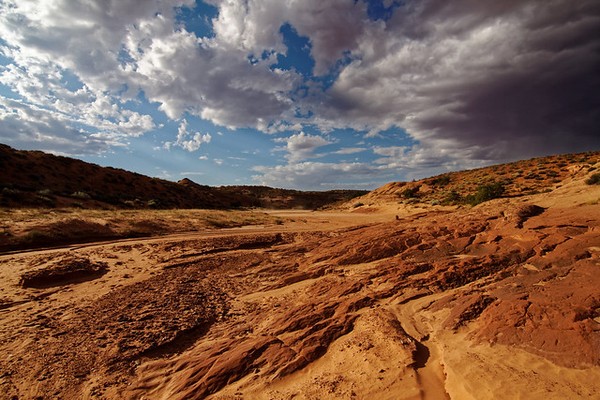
[472, 187]
[37, 179]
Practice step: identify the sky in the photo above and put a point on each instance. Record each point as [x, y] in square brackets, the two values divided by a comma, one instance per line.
[302, 94]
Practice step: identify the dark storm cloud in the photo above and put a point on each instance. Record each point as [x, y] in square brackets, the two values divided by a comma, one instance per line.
[490, 81]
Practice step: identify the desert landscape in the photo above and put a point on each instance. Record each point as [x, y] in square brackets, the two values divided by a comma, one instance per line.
[299, 200]
[479, 284]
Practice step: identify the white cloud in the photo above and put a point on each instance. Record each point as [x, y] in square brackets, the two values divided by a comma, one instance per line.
[141, 47]
[21, 124]
[85, 117]
[211, 80]
[350, 150]
[24, 125]
[301, 146]
[418, 161]
[188, 141]
[124, 47]
[317, 175]
[77, 35]
[192, 173]
[334, 27]
[394, 152]
[469, 81]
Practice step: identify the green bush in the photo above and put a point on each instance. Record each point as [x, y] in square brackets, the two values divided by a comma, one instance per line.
[441, 180]
[486, 192]
[81, 195]
[153, 203]
[45, 192]
[453, 197]
[593, 180]
[410, 193]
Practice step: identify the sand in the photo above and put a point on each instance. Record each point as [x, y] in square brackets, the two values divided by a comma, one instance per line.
[399, 302]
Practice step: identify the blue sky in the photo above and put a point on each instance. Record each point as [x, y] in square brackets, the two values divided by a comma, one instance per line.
[306, 95]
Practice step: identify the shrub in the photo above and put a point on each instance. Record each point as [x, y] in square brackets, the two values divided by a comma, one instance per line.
[45, 200]
[486, 192]
[153, 203]
[10, 192]
[593, 180]
[453, 197]
[35, 237]
[410, 193]
[45, 192]
[81, 195]
[442, 180]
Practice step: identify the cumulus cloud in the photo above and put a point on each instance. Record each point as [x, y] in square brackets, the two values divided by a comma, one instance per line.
[489, 81]
[470, 82]
[210, 79]
[123, 48]
[51, 124]
[80, 36]
[55, 109]
[333, 27]
[350, 150]
[318, 175]
[478, 82]
[188, 141]
[417, 161]
[301, 146]
[22, 126]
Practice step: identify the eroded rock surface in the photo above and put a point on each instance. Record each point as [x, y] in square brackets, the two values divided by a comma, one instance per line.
[62, 272]
[342, 314]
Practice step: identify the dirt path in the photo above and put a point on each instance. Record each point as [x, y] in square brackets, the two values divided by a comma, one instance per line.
[292, 221]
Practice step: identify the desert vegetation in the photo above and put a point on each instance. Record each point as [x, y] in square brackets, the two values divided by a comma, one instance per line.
[473, 187]
[485, 192]
[594, 179]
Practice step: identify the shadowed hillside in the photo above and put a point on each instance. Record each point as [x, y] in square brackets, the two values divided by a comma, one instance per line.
[37, 179]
